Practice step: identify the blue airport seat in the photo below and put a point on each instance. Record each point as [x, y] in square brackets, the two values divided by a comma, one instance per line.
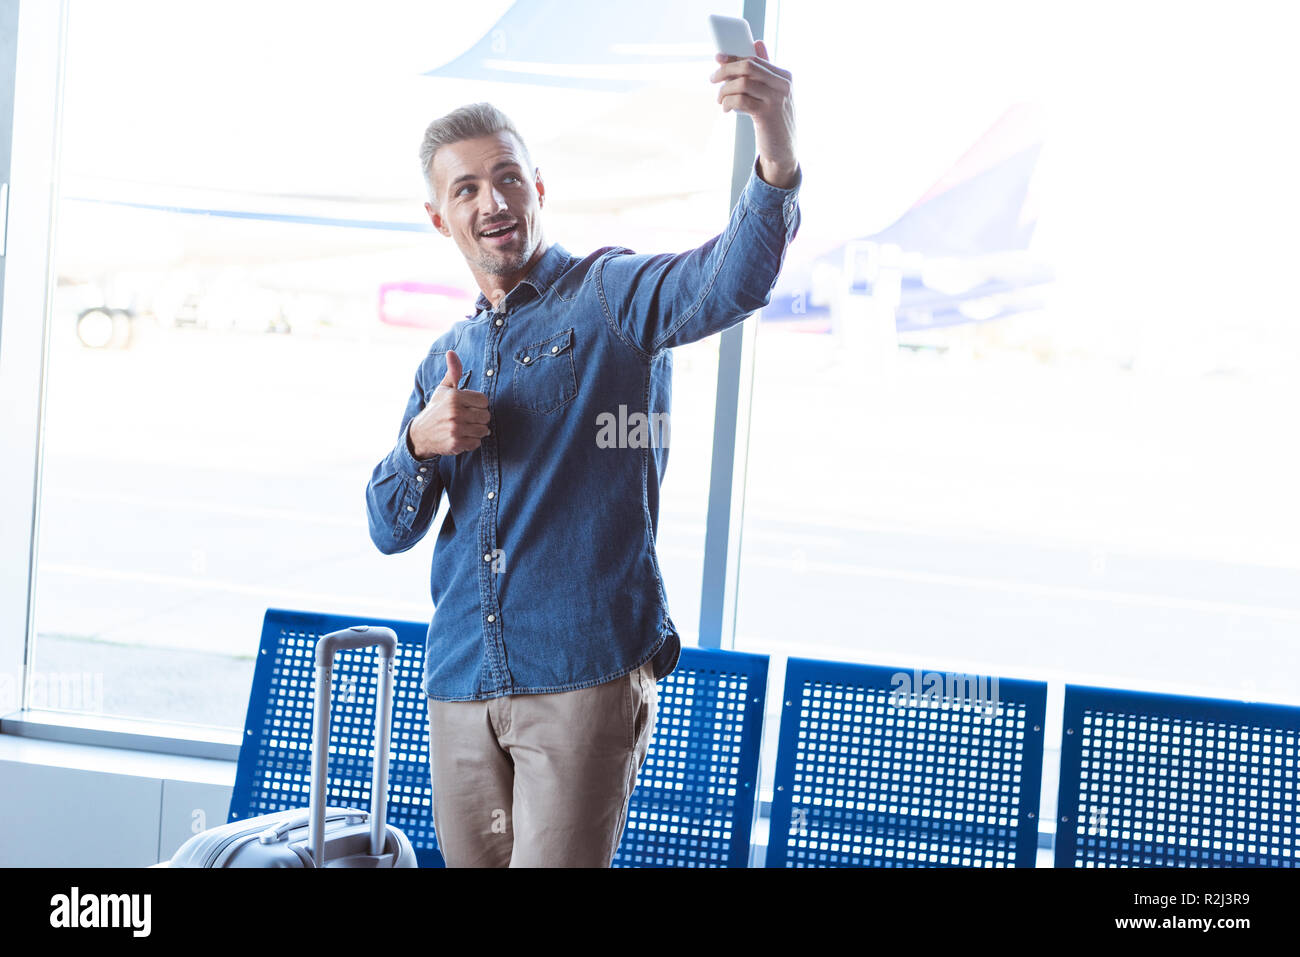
[878, 767]
[274, 768]
[1156, 780]
[694, 800]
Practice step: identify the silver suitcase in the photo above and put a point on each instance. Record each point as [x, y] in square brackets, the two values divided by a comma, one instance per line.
[320, 836]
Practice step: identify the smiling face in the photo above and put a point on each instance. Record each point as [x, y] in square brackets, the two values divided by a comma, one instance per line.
[483, 185]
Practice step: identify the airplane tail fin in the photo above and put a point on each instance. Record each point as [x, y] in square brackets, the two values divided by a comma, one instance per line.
[984, 202]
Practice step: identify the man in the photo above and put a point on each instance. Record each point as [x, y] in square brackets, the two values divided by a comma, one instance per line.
[550, 623]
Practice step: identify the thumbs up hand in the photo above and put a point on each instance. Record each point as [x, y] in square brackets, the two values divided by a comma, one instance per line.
[454, 421]
[453, 370]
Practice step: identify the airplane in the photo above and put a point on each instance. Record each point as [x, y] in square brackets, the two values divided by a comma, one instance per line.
[270, 259]
[959, 254]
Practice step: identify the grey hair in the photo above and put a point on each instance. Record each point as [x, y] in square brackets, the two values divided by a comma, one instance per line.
[464, 123]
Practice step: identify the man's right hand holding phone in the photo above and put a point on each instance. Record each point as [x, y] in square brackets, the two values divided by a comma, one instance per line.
[756, 86]
[454, 421]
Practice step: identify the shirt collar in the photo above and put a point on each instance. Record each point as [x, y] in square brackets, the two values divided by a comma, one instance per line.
[541, 277]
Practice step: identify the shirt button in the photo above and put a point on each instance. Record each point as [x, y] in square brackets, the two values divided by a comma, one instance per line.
[410, 508]
[498, 322]
[492, 617]
[419, 478]
[491, 494]
[423, 469]
[527, 359]
[555, 348]
[487, 558]
[489, 372]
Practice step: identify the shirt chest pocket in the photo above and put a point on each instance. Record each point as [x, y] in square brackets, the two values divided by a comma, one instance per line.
[545, 377]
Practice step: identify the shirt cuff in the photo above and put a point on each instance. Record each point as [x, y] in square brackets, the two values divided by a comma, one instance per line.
[763, 197]
[408, 463]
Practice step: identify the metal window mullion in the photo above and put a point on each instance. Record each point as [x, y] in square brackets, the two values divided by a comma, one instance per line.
[723, 523]
[30, 107]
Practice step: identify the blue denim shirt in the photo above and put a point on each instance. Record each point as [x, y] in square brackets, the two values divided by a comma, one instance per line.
[545, 576]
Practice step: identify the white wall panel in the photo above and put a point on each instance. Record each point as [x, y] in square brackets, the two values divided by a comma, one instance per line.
[67, 817]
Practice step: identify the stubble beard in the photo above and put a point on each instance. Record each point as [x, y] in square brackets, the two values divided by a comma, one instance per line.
[505, 262]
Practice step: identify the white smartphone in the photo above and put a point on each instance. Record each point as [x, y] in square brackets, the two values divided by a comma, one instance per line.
[732, 35]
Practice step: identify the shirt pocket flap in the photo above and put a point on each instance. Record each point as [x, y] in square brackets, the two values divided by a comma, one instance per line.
[557, 344]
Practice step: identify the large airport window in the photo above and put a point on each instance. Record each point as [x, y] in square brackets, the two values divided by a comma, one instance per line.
[1023, 400]
[247, 281]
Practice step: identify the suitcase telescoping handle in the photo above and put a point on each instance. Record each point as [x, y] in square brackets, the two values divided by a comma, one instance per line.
[359, 636]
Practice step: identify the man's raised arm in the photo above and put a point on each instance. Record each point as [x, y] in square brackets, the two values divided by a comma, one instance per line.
[662, 300]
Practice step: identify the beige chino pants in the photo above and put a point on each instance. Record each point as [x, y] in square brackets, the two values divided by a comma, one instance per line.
[539, 780]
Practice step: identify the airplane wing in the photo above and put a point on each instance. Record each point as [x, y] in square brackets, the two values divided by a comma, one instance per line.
[620, 49]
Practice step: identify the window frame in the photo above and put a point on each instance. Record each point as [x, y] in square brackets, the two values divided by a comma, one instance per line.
[40, 54]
